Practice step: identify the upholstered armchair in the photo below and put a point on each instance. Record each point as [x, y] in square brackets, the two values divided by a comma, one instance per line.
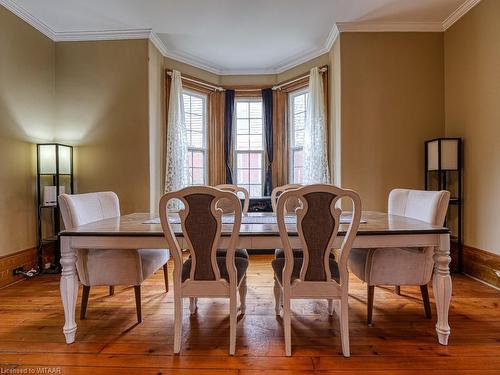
[402, 266]
[98, 267]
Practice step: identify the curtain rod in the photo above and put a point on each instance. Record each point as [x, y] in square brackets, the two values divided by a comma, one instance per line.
[216, 88]
[278, 87]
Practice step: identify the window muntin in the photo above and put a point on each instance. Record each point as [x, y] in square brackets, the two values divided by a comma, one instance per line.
[195, 112]
[297, 108]
[249, 146]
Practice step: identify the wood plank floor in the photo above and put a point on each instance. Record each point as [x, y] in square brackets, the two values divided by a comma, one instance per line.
[401, 340]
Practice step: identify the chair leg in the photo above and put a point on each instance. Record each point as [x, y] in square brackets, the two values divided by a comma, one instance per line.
[165, 276]
[425, 298]
[344, 327]
[243, 295]
[193, 301]
[111, 290]
[330, 307]
[277, 296]
[397, 290]
[287, 323]
[85, 300]
[137, 291]
[369, 305]
[232, 322]
[177, 321]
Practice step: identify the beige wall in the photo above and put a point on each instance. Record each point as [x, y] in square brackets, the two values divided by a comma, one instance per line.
[102, 107]
[472, 82]
[335, 74]
[26, 117]
[392, 101]
[157, 125]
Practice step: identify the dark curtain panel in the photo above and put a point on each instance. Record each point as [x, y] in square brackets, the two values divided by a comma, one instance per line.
[267, 102]
[228, 134]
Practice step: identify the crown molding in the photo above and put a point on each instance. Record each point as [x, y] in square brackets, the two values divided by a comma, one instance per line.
[79, 36]
[459, 13]
[339, 27]
[28, 18]
[374, 27]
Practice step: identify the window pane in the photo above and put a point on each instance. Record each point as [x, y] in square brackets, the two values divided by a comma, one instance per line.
[242, 110]
[195, 116]
[297, 175]
[255, 176]
[255, 190]
[243, 160]
[299, 138]
[256, 109]
[243, 142]
[299, 104]
[242, 126]
[256, 126]
[197, 159]
[256, 142]
[195, 123]
[255, 160]
[196, 140]
[243, 176]
[249, 136]
[198, 176]
[298, 158]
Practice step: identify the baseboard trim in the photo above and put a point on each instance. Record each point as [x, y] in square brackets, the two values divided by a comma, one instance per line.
[25, 258]
[481, 265]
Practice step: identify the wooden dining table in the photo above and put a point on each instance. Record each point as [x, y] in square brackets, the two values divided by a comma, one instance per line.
[258, 231]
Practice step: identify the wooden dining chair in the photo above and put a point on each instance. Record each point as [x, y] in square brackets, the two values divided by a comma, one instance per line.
[402, 266]
[108, 267]
[226, 208]
[316, 275]
[204, 274]
[277, 191]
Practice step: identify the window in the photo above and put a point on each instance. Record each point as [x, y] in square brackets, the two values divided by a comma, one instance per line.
[196, 125]
[297, 104]
[249, 146]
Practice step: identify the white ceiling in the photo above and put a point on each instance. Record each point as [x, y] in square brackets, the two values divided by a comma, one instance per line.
[234, 36]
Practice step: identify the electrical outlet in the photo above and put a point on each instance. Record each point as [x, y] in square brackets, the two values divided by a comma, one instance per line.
[17, 271]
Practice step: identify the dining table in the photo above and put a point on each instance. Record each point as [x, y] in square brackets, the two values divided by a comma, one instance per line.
[257, 231]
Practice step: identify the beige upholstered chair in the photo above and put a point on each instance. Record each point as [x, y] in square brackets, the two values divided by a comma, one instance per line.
[316, 275]
[402, 266]
[98, 267]
[205, 274]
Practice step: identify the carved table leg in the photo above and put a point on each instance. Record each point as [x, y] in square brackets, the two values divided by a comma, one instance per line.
[441, 286]
[69, 288]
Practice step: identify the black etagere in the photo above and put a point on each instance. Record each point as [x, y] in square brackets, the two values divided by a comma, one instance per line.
[54, 177]
[443, 171]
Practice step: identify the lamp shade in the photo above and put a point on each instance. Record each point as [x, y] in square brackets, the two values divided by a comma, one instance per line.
[50, 155]
[443, 154]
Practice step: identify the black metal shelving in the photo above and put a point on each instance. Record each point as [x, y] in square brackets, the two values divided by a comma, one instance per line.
[443, 177]
[56, 179]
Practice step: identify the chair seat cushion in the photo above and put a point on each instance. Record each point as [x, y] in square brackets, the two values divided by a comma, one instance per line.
[152, 260]
[279, 263]
[297, 253]
[239, 253]
[392, 266]
[241, 268]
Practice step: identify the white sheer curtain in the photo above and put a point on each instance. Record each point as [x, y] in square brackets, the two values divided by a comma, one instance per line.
[176, 176]
[316, 169]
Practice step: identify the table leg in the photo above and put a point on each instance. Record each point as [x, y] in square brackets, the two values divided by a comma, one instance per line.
[441, 286]
[69, 288]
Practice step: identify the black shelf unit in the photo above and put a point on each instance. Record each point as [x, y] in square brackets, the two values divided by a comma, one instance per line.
[442, 176]
[51, 178]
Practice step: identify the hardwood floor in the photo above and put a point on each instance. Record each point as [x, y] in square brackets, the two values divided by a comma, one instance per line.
[109, 341]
